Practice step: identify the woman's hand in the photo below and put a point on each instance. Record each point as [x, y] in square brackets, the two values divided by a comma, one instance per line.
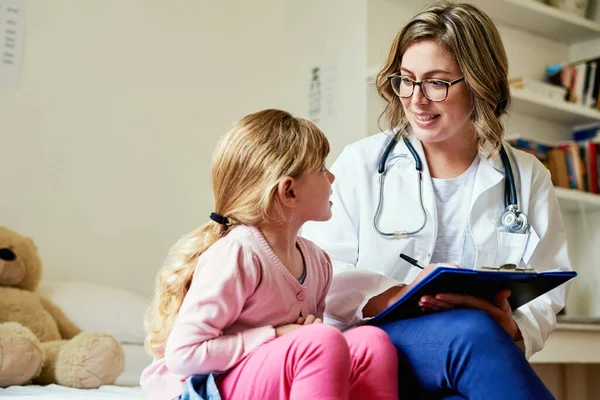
[382, 301]
[300, 322]
[499, 310]
[433, 305]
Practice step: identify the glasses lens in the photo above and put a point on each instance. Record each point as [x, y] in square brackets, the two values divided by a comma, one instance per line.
[435, 90]
[402, 86]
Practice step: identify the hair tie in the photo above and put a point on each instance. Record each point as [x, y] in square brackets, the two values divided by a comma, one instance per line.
[219, 219]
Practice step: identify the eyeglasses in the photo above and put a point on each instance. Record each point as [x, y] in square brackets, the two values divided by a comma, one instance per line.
[433, 89]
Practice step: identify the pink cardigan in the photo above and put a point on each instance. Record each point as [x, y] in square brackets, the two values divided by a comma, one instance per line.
[240, 291]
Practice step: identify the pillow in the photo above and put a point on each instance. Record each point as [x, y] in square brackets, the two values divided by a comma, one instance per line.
[100, 308]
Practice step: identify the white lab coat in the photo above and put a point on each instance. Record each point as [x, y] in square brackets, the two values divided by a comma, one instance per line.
[366, 264]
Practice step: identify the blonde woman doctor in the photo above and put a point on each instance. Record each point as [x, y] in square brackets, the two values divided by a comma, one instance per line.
[442, 187]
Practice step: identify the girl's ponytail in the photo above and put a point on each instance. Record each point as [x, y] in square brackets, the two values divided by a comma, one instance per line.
[173, 282]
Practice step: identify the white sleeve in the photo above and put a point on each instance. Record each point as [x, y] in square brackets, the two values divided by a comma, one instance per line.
[351, 288]
[537, 319]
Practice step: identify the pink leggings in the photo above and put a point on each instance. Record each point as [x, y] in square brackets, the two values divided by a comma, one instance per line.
[317, 362]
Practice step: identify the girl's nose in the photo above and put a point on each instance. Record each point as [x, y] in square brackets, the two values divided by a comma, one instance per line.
[331, 176]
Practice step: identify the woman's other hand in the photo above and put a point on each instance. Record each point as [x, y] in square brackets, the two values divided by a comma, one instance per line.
[499, 310]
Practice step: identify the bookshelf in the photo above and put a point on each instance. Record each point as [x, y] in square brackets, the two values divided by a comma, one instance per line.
[564, 113]
[540, 19]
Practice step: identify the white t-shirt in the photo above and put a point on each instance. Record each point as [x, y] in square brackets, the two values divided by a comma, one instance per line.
[454, 243]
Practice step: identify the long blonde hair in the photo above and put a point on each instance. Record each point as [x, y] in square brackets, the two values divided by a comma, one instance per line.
[471, 37]
[248, 164]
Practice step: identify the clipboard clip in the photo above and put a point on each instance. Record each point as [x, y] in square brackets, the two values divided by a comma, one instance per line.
[507, 268]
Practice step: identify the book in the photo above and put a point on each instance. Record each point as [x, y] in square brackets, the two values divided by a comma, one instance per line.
[591, 148]
[557, 164]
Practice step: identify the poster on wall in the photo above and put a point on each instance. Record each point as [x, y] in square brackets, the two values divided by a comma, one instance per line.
[321, 96]
[12, 20]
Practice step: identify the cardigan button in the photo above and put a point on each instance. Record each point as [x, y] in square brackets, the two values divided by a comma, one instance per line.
[300, 296]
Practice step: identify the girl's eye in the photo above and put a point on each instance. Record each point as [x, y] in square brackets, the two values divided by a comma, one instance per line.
[323, 168]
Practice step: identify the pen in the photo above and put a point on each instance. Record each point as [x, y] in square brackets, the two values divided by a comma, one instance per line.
[411, 260]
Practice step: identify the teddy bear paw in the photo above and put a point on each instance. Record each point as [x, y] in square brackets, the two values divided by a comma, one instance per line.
[21, 355]
[90, 360]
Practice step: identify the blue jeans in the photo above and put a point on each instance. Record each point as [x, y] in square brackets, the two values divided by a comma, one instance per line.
[460, 354]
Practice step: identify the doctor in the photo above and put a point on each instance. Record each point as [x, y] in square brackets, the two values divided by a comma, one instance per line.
[438, 188]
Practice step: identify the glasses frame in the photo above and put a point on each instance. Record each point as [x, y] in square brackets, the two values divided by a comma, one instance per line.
[420, 84]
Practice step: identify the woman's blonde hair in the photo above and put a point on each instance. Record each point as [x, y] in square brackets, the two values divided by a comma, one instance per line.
[471, 37]
[248, 164]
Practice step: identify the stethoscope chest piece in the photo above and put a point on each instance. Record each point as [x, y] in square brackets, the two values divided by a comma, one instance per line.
[513, 220]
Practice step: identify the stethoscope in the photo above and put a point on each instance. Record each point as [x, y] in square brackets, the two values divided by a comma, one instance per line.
[514, 220]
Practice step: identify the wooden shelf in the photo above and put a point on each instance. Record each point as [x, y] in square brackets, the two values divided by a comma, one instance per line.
[575, 200]
[540, 19]
[578, 323]
[527, 103]
[571, 343]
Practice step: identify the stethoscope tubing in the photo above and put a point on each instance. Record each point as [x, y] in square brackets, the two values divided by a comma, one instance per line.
[510, 192]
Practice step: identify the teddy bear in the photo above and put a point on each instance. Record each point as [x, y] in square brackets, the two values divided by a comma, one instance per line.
[38, 343]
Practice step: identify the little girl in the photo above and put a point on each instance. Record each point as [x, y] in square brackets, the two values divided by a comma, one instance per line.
[239, 301]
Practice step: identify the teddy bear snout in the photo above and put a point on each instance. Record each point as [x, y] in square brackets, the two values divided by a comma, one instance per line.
[12, 272]
[7, 254]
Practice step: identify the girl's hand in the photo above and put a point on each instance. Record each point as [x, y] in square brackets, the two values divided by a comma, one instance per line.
[499, 310]
[285, 329]
[310, 319]
[300, 322]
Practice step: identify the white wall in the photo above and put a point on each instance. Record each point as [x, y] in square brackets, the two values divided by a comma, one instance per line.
[106, 144]
[330, 33]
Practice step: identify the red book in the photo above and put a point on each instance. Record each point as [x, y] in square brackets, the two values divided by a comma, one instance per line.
[592, 165]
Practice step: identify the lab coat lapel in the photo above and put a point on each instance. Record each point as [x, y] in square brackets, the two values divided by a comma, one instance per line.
[489, 173]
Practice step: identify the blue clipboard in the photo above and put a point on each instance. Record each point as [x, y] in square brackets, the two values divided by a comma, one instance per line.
[524, 287]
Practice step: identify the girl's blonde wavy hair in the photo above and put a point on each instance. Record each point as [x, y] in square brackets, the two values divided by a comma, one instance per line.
[248, 164]
[472, 38]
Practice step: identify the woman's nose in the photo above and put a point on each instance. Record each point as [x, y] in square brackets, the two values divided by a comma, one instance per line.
[418, 97]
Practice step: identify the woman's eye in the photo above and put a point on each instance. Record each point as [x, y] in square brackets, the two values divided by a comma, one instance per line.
[436, 84]
[406, 81]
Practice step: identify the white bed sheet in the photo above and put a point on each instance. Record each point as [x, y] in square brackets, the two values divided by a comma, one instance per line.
[126, 386]
[55, 392]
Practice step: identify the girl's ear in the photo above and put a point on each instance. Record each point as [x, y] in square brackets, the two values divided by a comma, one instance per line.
[286, 192]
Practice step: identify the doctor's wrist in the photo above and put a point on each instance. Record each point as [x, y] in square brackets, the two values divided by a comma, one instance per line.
[517, 337]
[383, 300]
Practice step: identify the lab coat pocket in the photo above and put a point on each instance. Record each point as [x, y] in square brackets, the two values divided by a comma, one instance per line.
[511, 248]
